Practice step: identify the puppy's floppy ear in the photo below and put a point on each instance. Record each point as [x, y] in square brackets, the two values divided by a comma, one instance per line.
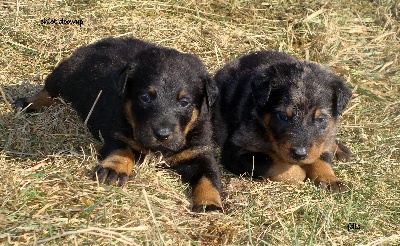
[121, 76]
[261, 86]
[273, 77]
[211, 90]
[342, 95]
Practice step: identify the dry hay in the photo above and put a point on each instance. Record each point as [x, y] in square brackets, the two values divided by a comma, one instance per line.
[46, 157]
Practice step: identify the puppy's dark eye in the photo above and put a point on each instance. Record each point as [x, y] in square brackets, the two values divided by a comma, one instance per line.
[145, 98]
[184, 102]
[282, 116]
[321, 119]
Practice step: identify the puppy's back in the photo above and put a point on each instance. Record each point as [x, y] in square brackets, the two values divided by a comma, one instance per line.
[93, 64]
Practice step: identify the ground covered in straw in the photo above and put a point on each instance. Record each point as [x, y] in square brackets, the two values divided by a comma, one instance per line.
[45, 158]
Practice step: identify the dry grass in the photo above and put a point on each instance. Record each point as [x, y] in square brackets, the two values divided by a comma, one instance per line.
[45, 157]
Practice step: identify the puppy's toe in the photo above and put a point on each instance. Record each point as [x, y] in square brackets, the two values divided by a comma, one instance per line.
[20, 104]
[112, 177]
[109, 176]
[122, 179]
[100, 173]
[116, 167]
[207, 208]
[342, 152]
[343, 156]
[334, 187]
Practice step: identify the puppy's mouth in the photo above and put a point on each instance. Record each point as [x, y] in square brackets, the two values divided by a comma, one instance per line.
[155, 146]
[302, 162]
[165, 151]
[167, 146]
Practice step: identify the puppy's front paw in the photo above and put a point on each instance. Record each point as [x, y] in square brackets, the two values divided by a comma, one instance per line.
[206, 197]
[109, 176]
[116, 167]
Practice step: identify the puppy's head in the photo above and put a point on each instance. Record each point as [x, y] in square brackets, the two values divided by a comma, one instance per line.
[299, 105]
[167, 95]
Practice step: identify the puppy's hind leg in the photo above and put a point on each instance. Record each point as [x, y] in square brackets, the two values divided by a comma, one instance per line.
[36, 102]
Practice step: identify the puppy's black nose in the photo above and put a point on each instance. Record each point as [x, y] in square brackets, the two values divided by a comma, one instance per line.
[299, 153]
[162, 134]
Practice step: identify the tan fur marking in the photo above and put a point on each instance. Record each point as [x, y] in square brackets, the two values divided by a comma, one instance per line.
[272, 140]
[317, 113]
[40, 100]
[282, 150]
[205, 194]
[266, 120]
[181, 94]
[285, 172]
[130, 141]
[152, 91]
[121, 161]
[281, 171]
[187, 154]
[191, 122]
[128, 113]
[289, 112]
[320, 171]
[319, 146]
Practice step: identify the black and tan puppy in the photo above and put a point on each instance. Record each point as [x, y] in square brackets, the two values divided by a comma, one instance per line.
[150, 98]
[276, 118]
